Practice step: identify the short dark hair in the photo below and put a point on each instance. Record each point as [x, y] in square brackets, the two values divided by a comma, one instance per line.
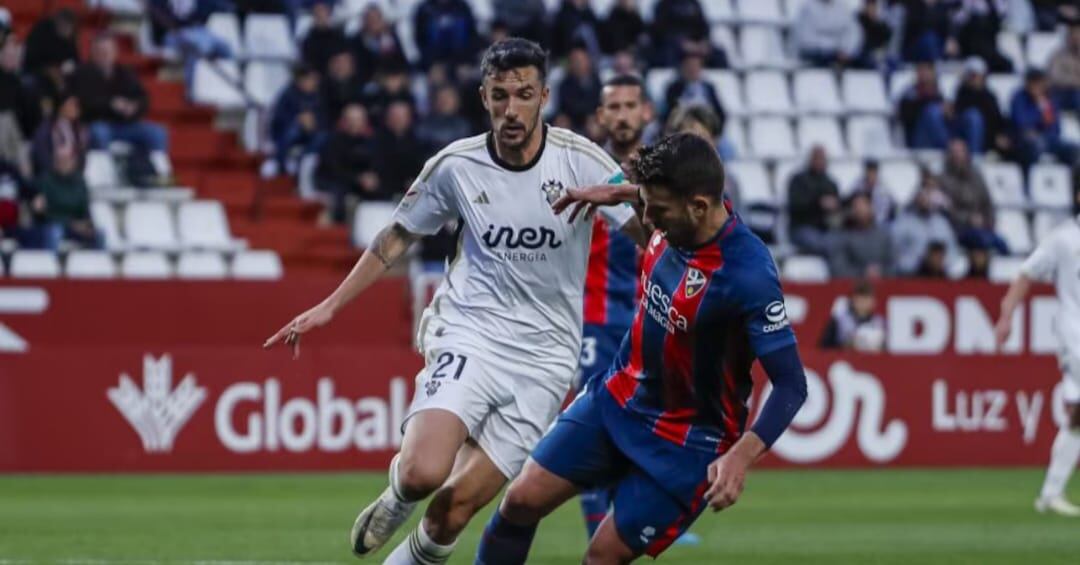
[871, 164]
[627, 79]
[514, 53]
[699, 113]
[862, 287]
[1034, 75]
[682, 163]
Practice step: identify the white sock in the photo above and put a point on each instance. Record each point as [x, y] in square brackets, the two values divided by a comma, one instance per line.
[419, 549]
[1063, 457]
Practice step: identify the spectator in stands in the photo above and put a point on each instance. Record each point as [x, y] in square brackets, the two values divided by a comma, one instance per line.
[341, 85]
[920, 226]
[934, 263]
[880, 199]
[575, 25]
[63, 203]
[14, 193]
[186, 31]
[52, 42]
[298, 118]
[1049, 13]
[978, 108]
[1037, 123]
[977, 24]
[978, 261]
[701, 121]
[445, 32]
[523, 18]
[399, 156]
[64, 132]
[864, 247]
[376, 44]
[855, 324]
[391, 84]
[1064, 72]
[965, 187]
[678, 27]
[827, 33]
[347, 161]
[114, 103]
[691, 87]
[926, 28]
[922, 111]
[443, 125]
[325, 38]
[876, 34]
[814, 205]
[624, 28]
[579, 91]
[20, 107]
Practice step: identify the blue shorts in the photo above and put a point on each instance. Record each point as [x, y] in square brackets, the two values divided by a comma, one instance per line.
[591, 447]
[599, 346]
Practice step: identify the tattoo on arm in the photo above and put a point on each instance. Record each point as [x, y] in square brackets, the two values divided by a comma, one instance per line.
[391, 243]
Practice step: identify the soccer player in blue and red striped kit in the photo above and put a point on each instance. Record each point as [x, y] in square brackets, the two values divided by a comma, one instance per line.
[666, 428]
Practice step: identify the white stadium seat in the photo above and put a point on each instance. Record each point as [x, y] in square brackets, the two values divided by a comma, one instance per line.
[864, 91]
[216, 84]
[1009, 45]
[100, 170]
[1013, 227]
[846, 174]
[105, 221]
[1004, 269]
[949, 83]
[805, 269]
[257, 265]
[761, 46]
[899, 81]
[768, 93]
[729, 90]
[201, 265]
[735, 134]
[1050, 186]
[369, 220]
[1040, 47]
[723, 37]
[149, 225]
[870, 136]
[303, 26]
[1006, 184]
[718, 10]
[86, 264]
[820, 130]
[901, 179]
[782, 173]
[34, 264]
[758, 12]
[753, 182]
[202, 224]
[1004, 87]
[268, 36]
[1045, 222]
[226, 27]
[145, 265]
[771, 138]
[656, 84]
[816, 92]
[264, 80]
[1070, 128]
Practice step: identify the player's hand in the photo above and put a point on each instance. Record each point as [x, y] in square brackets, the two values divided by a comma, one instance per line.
[726, 478]
[589, 198]
[1002, 330]
[290, 334]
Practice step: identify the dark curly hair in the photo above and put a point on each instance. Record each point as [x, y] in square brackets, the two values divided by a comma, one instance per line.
[682, 163]
[514, 53]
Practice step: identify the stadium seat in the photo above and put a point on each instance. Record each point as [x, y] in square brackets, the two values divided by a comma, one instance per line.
[735, 134]
[264, 80]
[484, 11]
[1040, 47]
[723, 37]
[257, 265]
[226, 26]
[266, 36]
[217, 83]
[85, 264]
[1070, 128]
[769, 93]
[1045, 222]
[103, 215]
[729, 90]
[405, 30]
[34, 264]
[1003, 87]
[149, 225]
[805, 269]
[771, 138]
[1013, 227]
[870, 136]
[100, 170]
[820, 130]
[899, 81]
[145, 265]
[901, 179]
[202, 224]
[369, 220]
[864, 91]
[1009, 45]
[303, 26]
[949, 82]
[761, 46]
[125, 7]
[816, 92]
[656, 83]
[758, 12]
[846, 173]
[1006, 184]
[1003, 270]
[753, 181]
[201, 265]
[1050, 186]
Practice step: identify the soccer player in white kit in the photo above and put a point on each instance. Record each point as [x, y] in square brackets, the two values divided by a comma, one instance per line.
[1057, 261]
[502, 336]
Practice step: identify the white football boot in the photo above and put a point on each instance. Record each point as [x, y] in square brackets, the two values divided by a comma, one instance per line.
[1057, 505]
[377, 523]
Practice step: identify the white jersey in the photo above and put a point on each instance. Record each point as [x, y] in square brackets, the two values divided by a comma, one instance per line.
[516, 282]
[1057, 261]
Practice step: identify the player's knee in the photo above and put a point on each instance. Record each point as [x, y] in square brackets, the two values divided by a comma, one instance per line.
[521, 505]
[417, 478]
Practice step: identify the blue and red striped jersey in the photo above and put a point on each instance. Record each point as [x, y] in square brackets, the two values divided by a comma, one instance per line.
[611, 281]
[704, 316]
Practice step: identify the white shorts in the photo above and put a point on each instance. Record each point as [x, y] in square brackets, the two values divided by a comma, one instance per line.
[506, 405]
[1070, 377]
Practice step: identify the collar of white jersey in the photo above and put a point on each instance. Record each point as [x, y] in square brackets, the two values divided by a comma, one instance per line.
[510, 166]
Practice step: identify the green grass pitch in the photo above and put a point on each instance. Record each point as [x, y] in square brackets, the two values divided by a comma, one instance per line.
[830, 517]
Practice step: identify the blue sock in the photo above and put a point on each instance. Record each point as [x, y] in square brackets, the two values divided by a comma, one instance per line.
[504, 543]
[594, 506]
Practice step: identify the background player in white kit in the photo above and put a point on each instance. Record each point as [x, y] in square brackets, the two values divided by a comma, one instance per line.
[1057, 261]
[502, 336]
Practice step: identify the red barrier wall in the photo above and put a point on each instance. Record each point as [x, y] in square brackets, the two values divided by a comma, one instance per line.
[118, 376]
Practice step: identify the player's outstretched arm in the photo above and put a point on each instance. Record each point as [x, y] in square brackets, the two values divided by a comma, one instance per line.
[1016, 293]
[391, 243]
[588, 198]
